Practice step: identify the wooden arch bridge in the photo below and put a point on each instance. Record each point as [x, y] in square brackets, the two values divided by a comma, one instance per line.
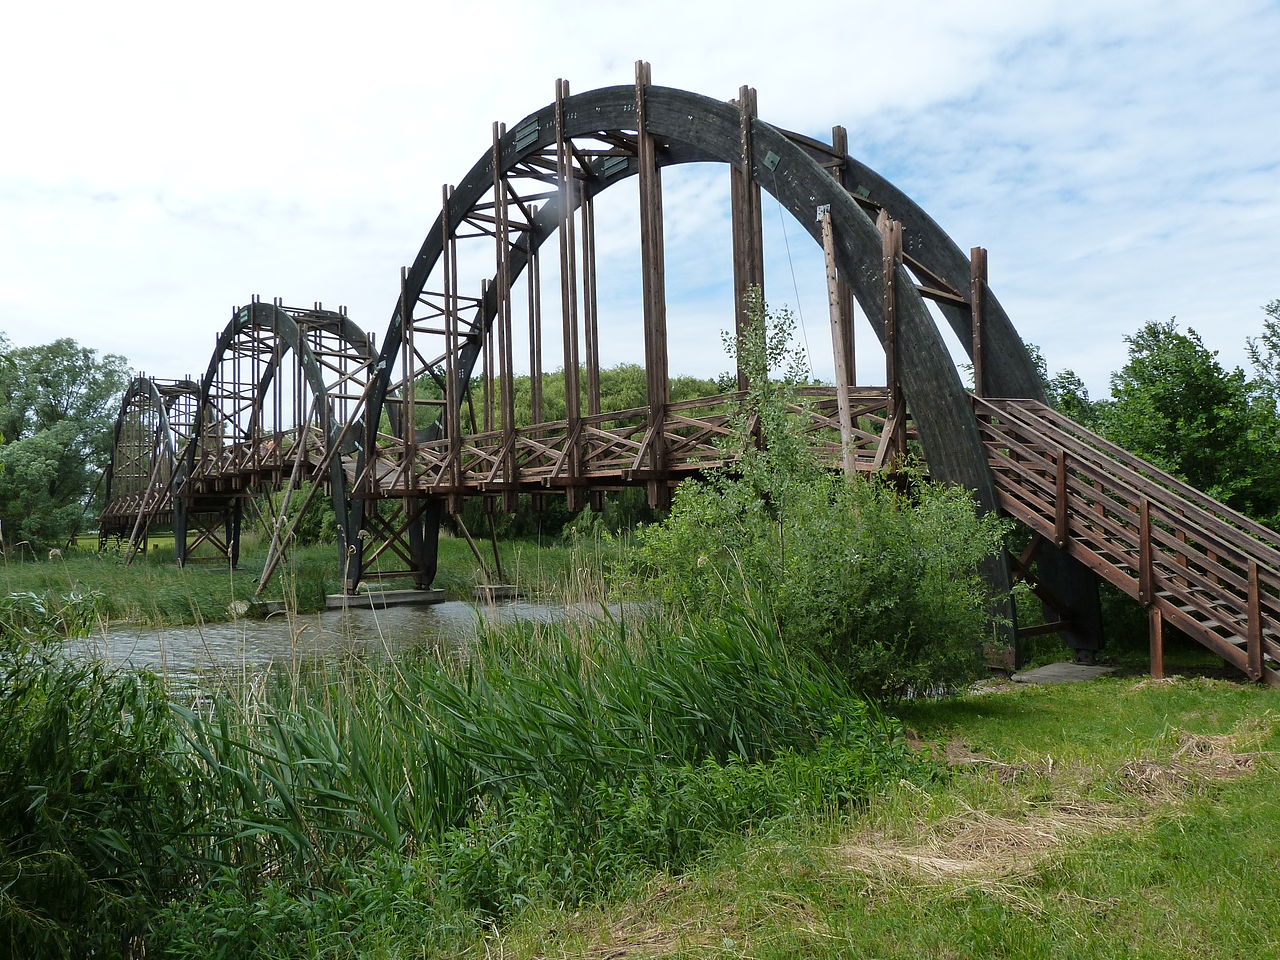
[301, 401]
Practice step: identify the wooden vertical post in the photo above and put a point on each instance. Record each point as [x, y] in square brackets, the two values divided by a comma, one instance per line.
[840, 336]
[453, 343]
[891, 251]
[569, 297]
[409, 408]
[1146, 576]
[840, 145]
[534, 277]
[502, 319]
[654, 286]
[486, 341]
[1062, 508]
[534, 274]
[1155, 629]
[977, 308]
[1253, 641]
[590, 315]
[748, 243]
[590, 309]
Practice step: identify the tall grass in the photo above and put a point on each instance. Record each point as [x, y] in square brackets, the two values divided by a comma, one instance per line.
[550, 761]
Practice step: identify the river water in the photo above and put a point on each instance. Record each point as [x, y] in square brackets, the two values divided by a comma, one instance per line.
[187, 653]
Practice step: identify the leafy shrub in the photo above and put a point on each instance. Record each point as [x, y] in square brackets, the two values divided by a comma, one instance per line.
[879, 577]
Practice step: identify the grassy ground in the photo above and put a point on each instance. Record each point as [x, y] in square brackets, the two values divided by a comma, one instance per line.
[154, 590]
[1115, 818]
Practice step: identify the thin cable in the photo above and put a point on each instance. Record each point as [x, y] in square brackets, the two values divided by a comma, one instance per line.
[804, 334]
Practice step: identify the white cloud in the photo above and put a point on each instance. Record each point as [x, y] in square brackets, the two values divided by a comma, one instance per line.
[165, 162]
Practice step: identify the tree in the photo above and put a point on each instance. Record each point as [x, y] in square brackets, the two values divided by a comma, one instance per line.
[1264, 355]
[1175, 404]
[58, 404]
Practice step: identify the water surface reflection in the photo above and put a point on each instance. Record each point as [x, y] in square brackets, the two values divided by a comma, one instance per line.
[250, 646]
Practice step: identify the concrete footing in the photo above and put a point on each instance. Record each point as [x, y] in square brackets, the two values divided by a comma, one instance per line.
[493, 592]
[1062, 673]
[381, 599]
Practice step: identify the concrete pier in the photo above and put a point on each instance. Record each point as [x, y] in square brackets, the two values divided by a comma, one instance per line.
[494, 592]
[381, 599]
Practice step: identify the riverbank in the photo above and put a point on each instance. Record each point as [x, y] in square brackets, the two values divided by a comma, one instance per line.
[1113, 818]
[153, 591]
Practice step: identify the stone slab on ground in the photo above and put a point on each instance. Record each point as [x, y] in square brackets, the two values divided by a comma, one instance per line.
[493, 592]
[1066, 672]
[381, 599]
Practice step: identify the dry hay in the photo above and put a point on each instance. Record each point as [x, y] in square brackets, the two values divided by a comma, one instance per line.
[647, 928]
[978, 846]
[1199, 758]
[956, 753]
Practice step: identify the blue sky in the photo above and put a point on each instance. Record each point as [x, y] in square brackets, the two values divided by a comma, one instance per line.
[164, 162]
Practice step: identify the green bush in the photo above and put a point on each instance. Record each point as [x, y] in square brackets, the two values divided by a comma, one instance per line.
[879, 577]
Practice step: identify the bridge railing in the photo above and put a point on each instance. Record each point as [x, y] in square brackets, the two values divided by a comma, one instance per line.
[1199, 565]
[614, 447]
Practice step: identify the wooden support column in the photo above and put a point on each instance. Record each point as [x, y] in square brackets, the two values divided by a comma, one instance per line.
[590, 309]
[840, 336]
[534, 274]
[977, 300]
[453, 347]
[1155, 629]
[409, 367]
[590, 321]
[655, 298]
[1253, 640]
[1146, 574]
[486, 340]
[566, 177]
[840, 145]
[1062, 508]
[502, 320]
[748, 242]
[891, 252]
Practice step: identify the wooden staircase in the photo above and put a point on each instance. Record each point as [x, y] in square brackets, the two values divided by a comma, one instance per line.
[1191, 561]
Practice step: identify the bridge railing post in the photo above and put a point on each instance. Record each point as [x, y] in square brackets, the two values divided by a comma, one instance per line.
[1253, 639]
[840, 338]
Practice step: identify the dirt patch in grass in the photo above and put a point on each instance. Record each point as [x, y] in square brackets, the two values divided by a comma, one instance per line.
[652, 926]
[956, 753]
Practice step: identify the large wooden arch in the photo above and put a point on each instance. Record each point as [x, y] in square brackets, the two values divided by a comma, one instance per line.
[669, 126]
[283, 388]
[385, 435]
[152, 428]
